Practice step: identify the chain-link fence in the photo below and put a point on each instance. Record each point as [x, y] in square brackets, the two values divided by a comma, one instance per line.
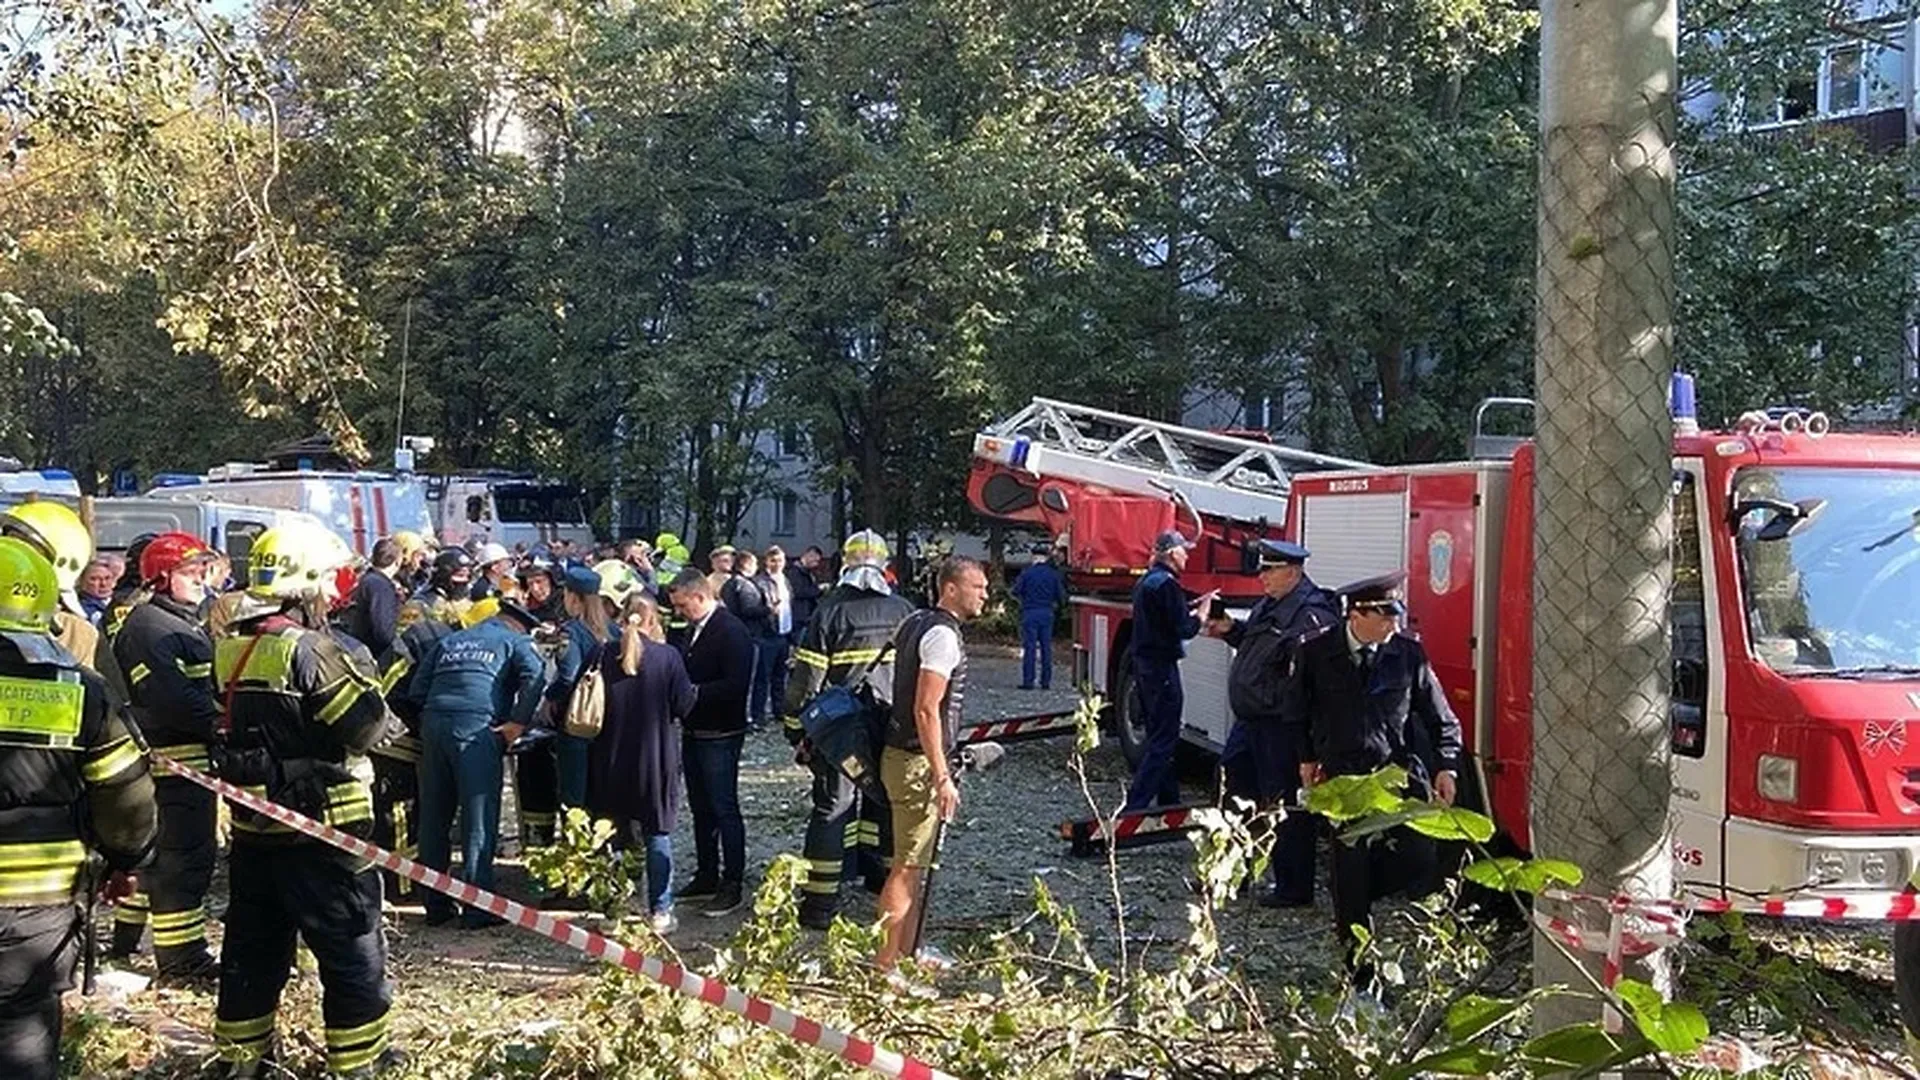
[1604, 527]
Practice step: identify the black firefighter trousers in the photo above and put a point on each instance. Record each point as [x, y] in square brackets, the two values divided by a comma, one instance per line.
[847, 826]
[38, 949]
[283, 890]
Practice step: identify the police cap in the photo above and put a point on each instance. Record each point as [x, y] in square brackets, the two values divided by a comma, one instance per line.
[581, 580]
[1381, 593]
[1169, 540]
[1273, 553]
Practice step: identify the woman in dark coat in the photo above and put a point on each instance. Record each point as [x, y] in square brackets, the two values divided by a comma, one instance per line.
[633, 765]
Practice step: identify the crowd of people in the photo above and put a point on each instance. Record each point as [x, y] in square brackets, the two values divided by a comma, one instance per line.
[389, 697]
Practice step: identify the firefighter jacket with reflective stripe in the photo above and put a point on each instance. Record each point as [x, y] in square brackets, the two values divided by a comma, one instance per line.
[305, 711]
[70, 776]
[848, 631]
[414, 642]
[167, 659]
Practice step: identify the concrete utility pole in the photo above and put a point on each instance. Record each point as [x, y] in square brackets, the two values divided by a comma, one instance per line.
[1603, 548]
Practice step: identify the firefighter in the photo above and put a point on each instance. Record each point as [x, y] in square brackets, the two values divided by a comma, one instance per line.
[75, 778]
[58, 534]
[304, 711]
[1163, 620]
[1258, 761]
[396, 762]
[167, 659]
[449, 587]
[1350, 709]
[843, 643]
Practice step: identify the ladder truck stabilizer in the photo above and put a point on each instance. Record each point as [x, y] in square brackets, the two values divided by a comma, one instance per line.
[1045, 725]
[1140, 828]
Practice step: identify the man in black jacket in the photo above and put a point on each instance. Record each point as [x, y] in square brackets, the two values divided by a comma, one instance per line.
[373, 611]
[719, 657]
[1351, 707]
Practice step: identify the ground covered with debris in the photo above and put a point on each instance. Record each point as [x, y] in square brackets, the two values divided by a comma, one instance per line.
[499, 1002]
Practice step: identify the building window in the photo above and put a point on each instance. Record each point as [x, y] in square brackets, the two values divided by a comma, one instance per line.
[790, 440]
[1851, 78]
[1257, 410]
[786, 515]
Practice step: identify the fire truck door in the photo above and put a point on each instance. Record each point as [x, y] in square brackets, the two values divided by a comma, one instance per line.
[1697, 713]
[1442, 585]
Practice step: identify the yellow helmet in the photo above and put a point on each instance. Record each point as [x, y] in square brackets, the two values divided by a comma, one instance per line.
[56, 532]
[865, 548]
[480, 611]
[409, 542]
[288, 562]
[617, 581]
[29, 594]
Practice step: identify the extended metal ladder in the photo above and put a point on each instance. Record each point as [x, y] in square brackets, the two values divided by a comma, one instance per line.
[1222, 475]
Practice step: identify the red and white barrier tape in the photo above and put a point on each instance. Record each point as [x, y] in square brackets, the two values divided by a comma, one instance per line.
[852, 1050]
[1873, 907]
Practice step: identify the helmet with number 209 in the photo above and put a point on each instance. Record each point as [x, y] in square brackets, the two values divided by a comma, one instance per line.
[29, 593]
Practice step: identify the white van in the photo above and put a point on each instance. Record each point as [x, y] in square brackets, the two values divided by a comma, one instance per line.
[20, 485]
[229, 528]
[508, 510]
[361, 507]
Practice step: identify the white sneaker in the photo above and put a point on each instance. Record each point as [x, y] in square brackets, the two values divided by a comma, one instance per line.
[664, 922]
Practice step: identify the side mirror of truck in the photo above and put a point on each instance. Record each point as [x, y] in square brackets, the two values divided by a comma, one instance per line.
[1786, 518]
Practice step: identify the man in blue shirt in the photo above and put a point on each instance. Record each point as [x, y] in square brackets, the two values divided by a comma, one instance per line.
[1040, 591]
[477, 691]
[1163, 620]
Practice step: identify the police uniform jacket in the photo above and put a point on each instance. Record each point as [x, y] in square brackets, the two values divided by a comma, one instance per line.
[306, 708]
[167, 660]
[849, 630]
[1306, 611]
[1352, 721]
[72, 778]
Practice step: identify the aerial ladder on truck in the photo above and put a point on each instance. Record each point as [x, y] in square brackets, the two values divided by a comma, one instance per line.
[1108, 483]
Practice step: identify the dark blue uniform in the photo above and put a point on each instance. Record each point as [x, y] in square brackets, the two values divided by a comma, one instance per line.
[1353, 710]
[1260, 761]
[471, 681]
[1162, 624]
[1041, 591]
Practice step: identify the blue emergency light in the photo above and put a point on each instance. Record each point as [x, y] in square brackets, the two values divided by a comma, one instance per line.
[1680, 402]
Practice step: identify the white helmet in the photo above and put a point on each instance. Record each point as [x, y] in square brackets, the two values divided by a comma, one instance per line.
[491, 552]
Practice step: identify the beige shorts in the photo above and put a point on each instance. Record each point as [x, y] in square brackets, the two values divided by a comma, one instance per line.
[908, 777]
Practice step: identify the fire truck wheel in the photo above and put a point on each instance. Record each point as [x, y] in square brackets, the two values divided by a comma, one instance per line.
[1128, 722]
[1906, 982]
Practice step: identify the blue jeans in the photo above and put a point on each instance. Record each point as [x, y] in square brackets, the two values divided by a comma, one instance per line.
[1155, 781]
[769, 695]
[628, 835]
[464, 774]
[1036, 636]
[570, 760]
[713, 794]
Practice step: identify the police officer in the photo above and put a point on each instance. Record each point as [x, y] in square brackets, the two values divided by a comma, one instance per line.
[1163, 620]
[1258, 761]
[849, 631]
[75, 779]
[477, 691]
[304, 711]
[167, 659]
[1363, 697]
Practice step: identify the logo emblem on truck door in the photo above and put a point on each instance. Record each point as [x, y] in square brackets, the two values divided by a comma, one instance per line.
[1913, 699]
[1440, 561]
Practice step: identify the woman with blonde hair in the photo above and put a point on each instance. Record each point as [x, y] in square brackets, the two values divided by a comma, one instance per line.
[633, 765]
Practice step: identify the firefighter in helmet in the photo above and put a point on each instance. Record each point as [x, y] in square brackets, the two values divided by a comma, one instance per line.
[167, 659]
[449, 587]
[76, 779]
[305, 710]
[58, 534]
[842, 643]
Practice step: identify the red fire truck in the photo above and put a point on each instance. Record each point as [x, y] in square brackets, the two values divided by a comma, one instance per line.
[1795, 618]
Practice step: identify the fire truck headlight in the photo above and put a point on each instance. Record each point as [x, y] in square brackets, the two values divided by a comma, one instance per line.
[1878, 868]
[1826, 866]
[1779, 778]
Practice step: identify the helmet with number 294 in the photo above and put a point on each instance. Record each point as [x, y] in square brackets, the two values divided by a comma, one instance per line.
[289, 562]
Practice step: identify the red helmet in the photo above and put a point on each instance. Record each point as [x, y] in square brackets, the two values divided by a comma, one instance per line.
[170, 550]
[344, 580]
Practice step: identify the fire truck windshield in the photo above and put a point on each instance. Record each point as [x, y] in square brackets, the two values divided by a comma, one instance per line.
[1830, 569]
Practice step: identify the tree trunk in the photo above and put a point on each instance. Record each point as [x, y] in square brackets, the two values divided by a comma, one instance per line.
[1602, 551]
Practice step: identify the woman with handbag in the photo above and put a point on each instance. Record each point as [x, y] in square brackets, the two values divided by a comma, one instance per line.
[633, 764]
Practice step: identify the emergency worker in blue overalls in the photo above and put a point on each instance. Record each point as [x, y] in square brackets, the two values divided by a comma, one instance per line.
[1259, 762]
[477, 691]
[1163, 620]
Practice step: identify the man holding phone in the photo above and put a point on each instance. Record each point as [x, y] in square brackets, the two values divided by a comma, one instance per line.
[1163, 621]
